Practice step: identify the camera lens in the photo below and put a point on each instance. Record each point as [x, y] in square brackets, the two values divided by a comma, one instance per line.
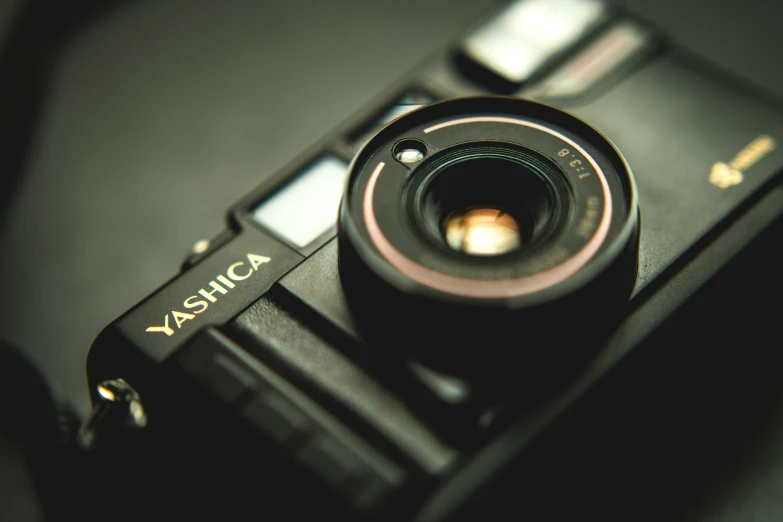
[512, 236]
[487, 199]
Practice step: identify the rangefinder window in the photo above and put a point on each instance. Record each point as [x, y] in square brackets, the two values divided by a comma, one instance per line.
[526, 37]
[306, 207]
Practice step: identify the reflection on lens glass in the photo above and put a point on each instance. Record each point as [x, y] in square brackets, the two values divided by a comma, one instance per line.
[409, 156]
[482, 232]
[410, 151]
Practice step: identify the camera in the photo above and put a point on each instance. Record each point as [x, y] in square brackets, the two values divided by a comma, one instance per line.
[389, 326]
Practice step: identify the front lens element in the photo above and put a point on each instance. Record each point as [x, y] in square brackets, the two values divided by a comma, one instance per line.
[482, 232]
[487, 199]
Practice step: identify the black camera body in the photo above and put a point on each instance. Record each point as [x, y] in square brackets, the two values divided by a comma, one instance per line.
[276, 373]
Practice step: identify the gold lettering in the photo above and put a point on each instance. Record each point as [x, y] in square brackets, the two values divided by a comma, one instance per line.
[225, 281]
[202, 304]
[165, 328]
[199, 305]
[184, 316]
[233, 275]
[725, 175]
[751, 154]
[256, 261]
[215, 288]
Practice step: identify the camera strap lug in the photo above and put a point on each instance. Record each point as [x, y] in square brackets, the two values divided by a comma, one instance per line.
[118, 408]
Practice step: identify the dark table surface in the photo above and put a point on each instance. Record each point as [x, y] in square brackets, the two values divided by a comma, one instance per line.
[156, 115]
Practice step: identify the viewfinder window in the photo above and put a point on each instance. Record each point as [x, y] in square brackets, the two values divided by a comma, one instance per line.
[306, 207]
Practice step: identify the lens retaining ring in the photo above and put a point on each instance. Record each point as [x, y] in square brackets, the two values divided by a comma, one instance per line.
[385, 268]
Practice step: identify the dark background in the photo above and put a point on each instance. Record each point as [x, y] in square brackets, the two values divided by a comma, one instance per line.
[130, 127]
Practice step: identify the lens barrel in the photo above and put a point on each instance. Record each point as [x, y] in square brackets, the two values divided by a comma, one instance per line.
[492, 238]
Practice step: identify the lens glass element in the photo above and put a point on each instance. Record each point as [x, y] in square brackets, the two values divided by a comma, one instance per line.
[486, 201]
[482, 232]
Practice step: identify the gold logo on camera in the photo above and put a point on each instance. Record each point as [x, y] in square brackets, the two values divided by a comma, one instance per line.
[725, 175]
[199, 302]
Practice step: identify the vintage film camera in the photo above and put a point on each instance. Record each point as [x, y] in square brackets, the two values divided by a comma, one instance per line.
[389, 327]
